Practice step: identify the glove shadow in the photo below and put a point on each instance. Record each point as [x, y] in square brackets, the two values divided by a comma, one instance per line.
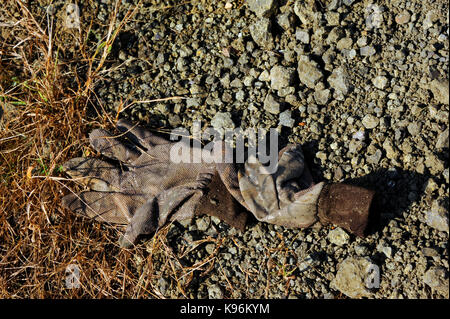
[396, 190]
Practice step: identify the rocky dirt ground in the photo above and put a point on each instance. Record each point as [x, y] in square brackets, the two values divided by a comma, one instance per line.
[363, 85]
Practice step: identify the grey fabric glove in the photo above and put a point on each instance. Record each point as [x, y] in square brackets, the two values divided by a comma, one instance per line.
[145, 190]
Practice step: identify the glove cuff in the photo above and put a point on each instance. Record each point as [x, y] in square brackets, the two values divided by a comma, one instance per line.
[346, 206]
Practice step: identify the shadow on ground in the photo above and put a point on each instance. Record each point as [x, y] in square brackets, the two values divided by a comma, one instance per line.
[396, 190]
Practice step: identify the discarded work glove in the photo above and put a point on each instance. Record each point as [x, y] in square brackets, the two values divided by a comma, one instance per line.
[146, 190]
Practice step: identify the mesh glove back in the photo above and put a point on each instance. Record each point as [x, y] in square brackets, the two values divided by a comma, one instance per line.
[144, 190]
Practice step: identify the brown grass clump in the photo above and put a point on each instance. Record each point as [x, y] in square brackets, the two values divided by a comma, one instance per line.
[43, 122]
[46, 90]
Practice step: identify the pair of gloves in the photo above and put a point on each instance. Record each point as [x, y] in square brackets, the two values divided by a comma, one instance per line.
[137, 184]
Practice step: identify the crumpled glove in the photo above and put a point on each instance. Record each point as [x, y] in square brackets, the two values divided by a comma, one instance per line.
[144, 189]
[290, 198]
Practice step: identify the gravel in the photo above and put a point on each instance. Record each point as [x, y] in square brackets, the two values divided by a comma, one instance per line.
[442, 140]
[215, 292]
[286, 20]
[321, 95]
[338, 80]
[367, 51]
[371, 94]
[222, 121]
[403, 17]
[302, 36]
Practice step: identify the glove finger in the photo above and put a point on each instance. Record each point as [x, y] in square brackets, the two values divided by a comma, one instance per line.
[264, 185]
[177, 203]
[250, 194]
[140, 135]
[291, 163]
[291, 167]
[174, 204]
[252, 170]
[298, 214]
[112, 147]
[144, 221]
[115, 208]
[302, 212]
[94, 173]
[268, 193]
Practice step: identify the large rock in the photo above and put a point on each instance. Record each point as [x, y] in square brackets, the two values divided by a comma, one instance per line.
[339, 81]
[302, 36]
[260, 32]
[391, 151]
[437, 279]
[380, 82]
[321, 94]
[222, 121]
[286, 119]
[434, 164]
[440, 90]
[414, 128]
[442, 140]
[271, 104]
[308, 71]
[354, 277]
[403, 17]
[437, 217]
[263, 8]
[374, 158]
[367, 51]
[338, 236]
[215, 292]
[430, 18]
[370, 121]
[281, 77]
[286, 20]
[306, 13]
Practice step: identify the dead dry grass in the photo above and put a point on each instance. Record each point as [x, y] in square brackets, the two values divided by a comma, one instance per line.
[44, 123]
